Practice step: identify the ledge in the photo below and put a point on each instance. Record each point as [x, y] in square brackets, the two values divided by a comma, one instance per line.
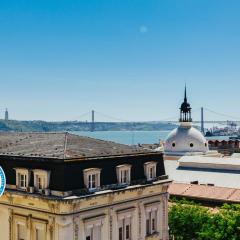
[154, 236]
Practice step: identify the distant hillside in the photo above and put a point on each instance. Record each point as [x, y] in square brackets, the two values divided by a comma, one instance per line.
[42, 126]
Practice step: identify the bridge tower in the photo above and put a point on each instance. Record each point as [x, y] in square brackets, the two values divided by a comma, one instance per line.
[202, 121]
[6, 115]
[93, 121]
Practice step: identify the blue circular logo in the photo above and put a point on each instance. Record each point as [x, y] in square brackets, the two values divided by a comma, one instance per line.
[2, 181]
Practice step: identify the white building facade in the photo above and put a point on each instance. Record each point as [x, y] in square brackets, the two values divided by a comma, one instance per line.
[120, 195]
[137, 213]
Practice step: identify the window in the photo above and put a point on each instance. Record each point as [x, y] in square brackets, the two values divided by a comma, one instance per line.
[93, 228]
[39, 228]
[92, 181]
[41, 179]
[124, 174]
[128, 232]
[124, 230]
[191, 145]
[21, 232]
[151, 222]
[152, 218]
[173, 144]
[94, 233]
[40, 234]
[150, 169]
[120, 230]
[125, 223]
[40, 182]
[22, 178]
[92, 178]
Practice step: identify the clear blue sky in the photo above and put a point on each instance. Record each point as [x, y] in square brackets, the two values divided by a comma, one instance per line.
[126, 58]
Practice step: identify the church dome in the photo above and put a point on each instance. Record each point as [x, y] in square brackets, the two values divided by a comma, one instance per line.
[185, 140]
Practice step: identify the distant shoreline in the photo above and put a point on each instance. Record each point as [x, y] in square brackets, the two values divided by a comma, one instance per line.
[71, 126]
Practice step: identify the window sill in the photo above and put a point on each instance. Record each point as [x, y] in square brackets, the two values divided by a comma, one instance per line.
[21, 189]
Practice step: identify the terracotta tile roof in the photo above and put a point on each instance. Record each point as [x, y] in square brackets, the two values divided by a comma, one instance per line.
[205, 192]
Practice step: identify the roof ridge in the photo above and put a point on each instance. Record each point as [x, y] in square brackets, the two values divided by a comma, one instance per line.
[185, 190]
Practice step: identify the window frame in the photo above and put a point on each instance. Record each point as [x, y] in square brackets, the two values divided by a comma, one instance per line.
[125, 224]
[44, 175]
[124, 174]
[151, 222]
[148, 166]
[25, 173]
[152, 218]
[39, 225]
[19, 221]
[88, 178]
[93, 226]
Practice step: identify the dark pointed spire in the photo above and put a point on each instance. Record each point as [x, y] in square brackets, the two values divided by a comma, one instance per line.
[185, 110]
[185, 93]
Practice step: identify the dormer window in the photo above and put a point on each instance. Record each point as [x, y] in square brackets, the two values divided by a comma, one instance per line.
[92, 178]
[41, 179]
[22, 178]
[124, 174]
[150, 170]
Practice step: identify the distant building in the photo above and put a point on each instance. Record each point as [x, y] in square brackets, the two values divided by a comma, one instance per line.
[63, 186]
[6, 115]
[226, 147]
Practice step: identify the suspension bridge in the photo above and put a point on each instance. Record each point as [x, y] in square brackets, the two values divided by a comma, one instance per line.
[92, 117]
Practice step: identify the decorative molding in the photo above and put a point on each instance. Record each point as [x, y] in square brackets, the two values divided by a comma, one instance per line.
[10, 223]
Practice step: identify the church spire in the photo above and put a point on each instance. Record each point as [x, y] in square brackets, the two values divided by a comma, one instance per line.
[185, 93]
[185, 110]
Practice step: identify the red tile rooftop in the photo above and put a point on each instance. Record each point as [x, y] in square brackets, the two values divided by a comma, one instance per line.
[205, 192]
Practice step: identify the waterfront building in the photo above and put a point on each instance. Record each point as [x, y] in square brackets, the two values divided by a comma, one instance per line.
[62, 186]
[226, 147]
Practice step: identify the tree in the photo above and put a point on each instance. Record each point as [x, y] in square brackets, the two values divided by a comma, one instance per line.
[190, 221]
[186, 220]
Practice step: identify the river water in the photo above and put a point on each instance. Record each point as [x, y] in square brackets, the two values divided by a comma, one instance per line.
[130, 137]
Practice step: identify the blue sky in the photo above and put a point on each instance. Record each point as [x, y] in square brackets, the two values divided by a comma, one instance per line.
[126, 58]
